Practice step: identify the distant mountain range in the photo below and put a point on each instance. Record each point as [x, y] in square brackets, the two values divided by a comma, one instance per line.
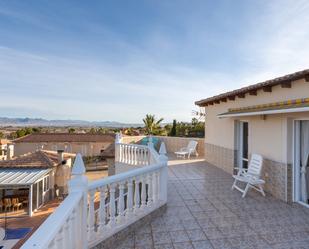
[4, 121]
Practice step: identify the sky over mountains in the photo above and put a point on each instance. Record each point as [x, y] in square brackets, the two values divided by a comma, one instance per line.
[118, 60]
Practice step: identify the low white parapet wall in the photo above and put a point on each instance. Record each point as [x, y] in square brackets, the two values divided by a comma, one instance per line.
[175, 143]
[172, 144]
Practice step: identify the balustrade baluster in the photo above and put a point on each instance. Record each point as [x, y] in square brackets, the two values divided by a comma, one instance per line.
[139, 156]
[129, 199]
[135, 156]
[150, 190]
[136, 196]
[112, 206]
[120, 217]
[91, 218]
[129, 155]
[132, 155]
[102, 210]
[143, 157]
[123, 147]
[123, 153]
[155, 184]
[143, 205]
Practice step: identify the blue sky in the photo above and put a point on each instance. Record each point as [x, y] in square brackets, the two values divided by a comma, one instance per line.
[118, 60]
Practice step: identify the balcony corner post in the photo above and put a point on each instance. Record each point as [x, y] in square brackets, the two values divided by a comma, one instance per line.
[79, 183]
[163, 178]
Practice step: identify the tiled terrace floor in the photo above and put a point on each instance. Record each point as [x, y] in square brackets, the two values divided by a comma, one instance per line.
[202, 212]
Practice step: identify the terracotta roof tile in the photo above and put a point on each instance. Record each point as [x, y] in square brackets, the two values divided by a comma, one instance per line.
[38, 159]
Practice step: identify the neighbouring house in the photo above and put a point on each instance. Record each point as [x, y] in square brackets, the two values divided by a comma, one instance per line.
[270, 118]
[6, 149]
[85, 144]
[30, 180]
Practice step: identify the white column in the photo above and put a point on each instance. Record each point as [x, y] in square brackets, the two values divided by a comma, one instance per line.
[30, 200]
[102, 210]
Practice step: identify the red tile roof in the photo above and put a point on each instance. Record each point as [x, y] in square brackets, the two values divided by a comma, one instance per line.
[65, 137]
[262, 85]
[38, 159]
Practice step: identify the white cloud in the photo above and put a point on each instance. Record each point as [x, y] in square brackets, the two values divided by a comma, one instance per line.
[153, 76]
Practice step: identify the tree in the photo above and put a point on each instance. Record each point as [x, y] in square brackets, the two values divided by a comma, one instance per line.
[152, 126]
[1, 134]
[173, 130]
[92, 131]
[71, 130]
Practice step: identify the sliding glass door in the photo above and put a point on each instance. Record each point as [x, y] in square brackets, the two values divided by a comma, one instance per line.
[242, 138]
[301, 161]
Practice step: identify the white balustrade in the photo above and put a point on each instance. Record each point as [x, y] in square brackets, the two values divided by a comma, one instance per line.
[94, 211]
[132, 154]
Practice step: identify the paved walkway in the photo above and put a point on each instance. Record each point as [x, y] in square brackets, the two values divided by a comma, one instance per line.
[203, 213]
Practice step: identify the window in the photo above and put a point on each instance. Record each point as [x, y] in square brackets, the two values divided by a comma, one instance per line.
[46, 183]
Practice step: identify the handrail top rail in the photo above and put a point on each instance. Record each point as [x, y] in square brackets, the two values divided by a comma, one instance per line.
[51, 226]
[124, 176]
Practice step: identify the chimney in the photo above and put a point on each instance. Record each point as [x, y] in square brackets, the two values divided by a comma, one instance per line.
[60, 156]
[10, 151]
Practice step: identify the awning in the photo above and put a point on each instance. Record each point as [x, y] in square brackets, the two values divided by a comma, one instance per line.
[289, 106]
[21, 177]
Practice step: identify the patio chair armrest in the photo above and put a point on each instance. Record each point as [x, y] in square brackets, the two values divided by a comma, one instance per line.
[241, 171]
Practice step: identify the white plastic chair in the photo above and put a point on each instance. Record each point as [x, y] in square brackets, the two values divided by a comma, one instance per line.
[251, 176]
[190, 149]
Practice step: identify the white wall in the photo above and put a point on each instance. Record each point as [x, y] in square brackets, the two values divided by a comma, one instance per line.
[270, 137]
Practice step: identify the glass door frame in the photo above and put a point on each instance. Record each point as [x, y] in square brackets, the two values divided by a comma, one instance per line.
[296, 161]
[240, 143]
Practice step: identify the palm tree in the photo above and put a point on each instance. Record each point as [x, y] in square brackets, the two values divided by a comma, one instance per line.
[152, 125]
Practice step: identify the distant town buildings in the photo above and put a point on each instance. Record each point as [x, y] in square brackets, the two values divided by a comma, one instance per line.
[85, 144]
[6, 149]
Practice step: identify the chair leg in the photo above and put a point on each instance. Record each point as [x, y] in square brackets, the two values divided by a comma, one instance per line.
[261, 189]
[234, 184]
[246, 190]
